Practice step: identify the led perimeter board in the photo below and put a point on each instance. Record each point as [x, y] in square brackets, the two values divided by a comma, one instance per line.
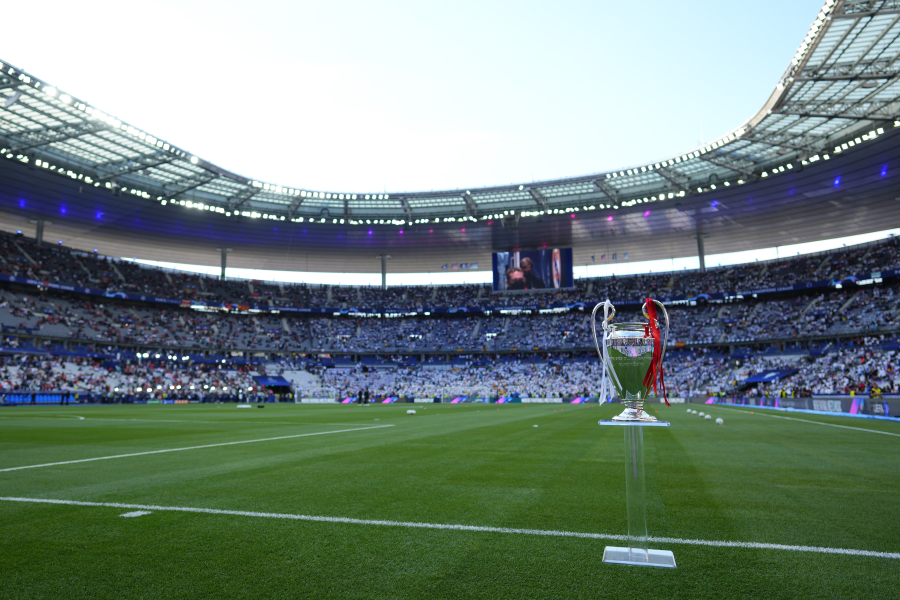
[532, 269]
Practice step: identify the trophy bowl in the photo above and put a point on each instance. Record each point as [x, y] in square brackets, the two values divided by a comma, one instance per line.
[629, 349]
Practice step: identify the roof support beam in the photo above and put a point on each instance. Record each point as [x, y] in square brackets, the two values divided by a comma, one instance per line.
[880, 68]
[238, 200]
[539, 199]
[742, 166]
[407, 209]
[34, 138]
[189, 183]
[834, 47]
[295, 204]
[675, 177]
[874, 42]
[611, 193]
[798, 143]
[853, 76]
[860, 9]
[471, 207]
[843, 110]
[131, 165]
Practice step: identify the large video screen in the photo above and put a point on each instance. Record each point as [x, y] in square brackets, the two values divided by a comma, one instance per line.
[532, 269]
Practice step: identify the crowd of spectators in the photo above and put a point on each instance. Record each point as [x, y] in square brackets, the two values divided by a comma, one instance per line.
[477, 380]
[864, 366]
[23, 257]
[139, 380]
[859, 370]
[91, 319]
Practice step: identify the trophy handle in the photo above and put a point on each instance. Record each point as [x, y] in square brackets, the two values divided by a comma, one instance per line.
[606, 320]
[604, 356]
[666, 315]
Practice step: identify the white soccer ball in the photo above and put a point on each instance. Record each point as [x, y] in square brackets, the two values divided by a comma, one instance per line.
[719, 421]
[693, 412]
[701, 414]
[708, 417]
[410, 412]
[689, 411]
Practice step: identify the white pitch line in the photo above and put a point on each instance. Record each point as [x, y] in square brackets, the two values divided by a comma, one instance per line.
[225, 422]
[475, 528]
[41, 417]
[281, 437]
[821, 423]
[221, 422]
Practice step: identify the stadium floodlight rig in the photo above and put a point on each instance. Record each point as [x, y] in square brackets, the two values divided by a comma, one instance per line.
[841, 89]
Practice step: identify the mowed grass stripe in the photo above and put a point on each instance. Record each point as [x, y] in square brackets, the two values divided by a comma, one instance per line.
[455, 527]
[281, 437]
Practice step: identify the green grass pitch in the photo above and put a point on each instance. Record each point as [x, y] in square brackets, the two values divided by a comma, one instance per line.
[756, 479]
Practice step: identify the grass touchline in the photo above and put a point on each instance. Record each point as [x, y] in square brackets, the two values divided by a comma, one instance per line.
[454, 527]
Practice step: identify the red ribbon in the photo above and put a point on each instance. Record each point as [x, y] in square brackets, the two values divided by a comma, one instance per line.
[655, 369]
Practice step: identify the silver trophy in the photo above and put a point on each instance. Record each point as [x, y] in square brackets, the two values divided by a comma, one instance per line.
[632, 356]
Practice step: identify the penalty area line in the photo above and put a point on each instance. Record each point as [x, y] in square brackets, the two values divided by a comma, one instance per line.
[452, 527]
[271, 439]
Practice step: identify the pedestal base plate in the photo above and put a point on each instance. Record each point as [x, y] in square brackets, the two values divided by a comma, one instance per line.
[639, 557]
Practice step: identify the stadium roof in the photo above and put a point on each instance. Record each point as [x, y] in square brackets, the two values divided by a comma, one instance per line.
[842, 88]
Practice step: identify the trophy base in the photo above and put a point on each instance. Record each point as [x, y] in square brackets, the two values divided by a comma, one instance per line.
[635, 415]
[639, 557]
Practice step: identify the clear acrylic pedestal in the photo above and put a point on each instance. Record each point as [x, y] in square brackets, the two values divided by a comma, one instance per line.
[637, 552]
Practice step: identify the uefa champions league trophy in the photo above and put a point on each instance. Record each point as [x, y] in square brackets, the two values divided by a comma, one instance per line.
[631, 356]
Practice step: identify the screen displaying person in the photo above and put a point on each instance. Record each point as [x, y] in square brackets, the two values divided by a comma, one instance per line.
[515, 279]
[532, 281]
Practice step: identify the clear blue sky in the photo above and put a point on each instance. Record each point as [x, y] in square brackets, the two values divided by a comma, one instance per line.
[365, 96]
